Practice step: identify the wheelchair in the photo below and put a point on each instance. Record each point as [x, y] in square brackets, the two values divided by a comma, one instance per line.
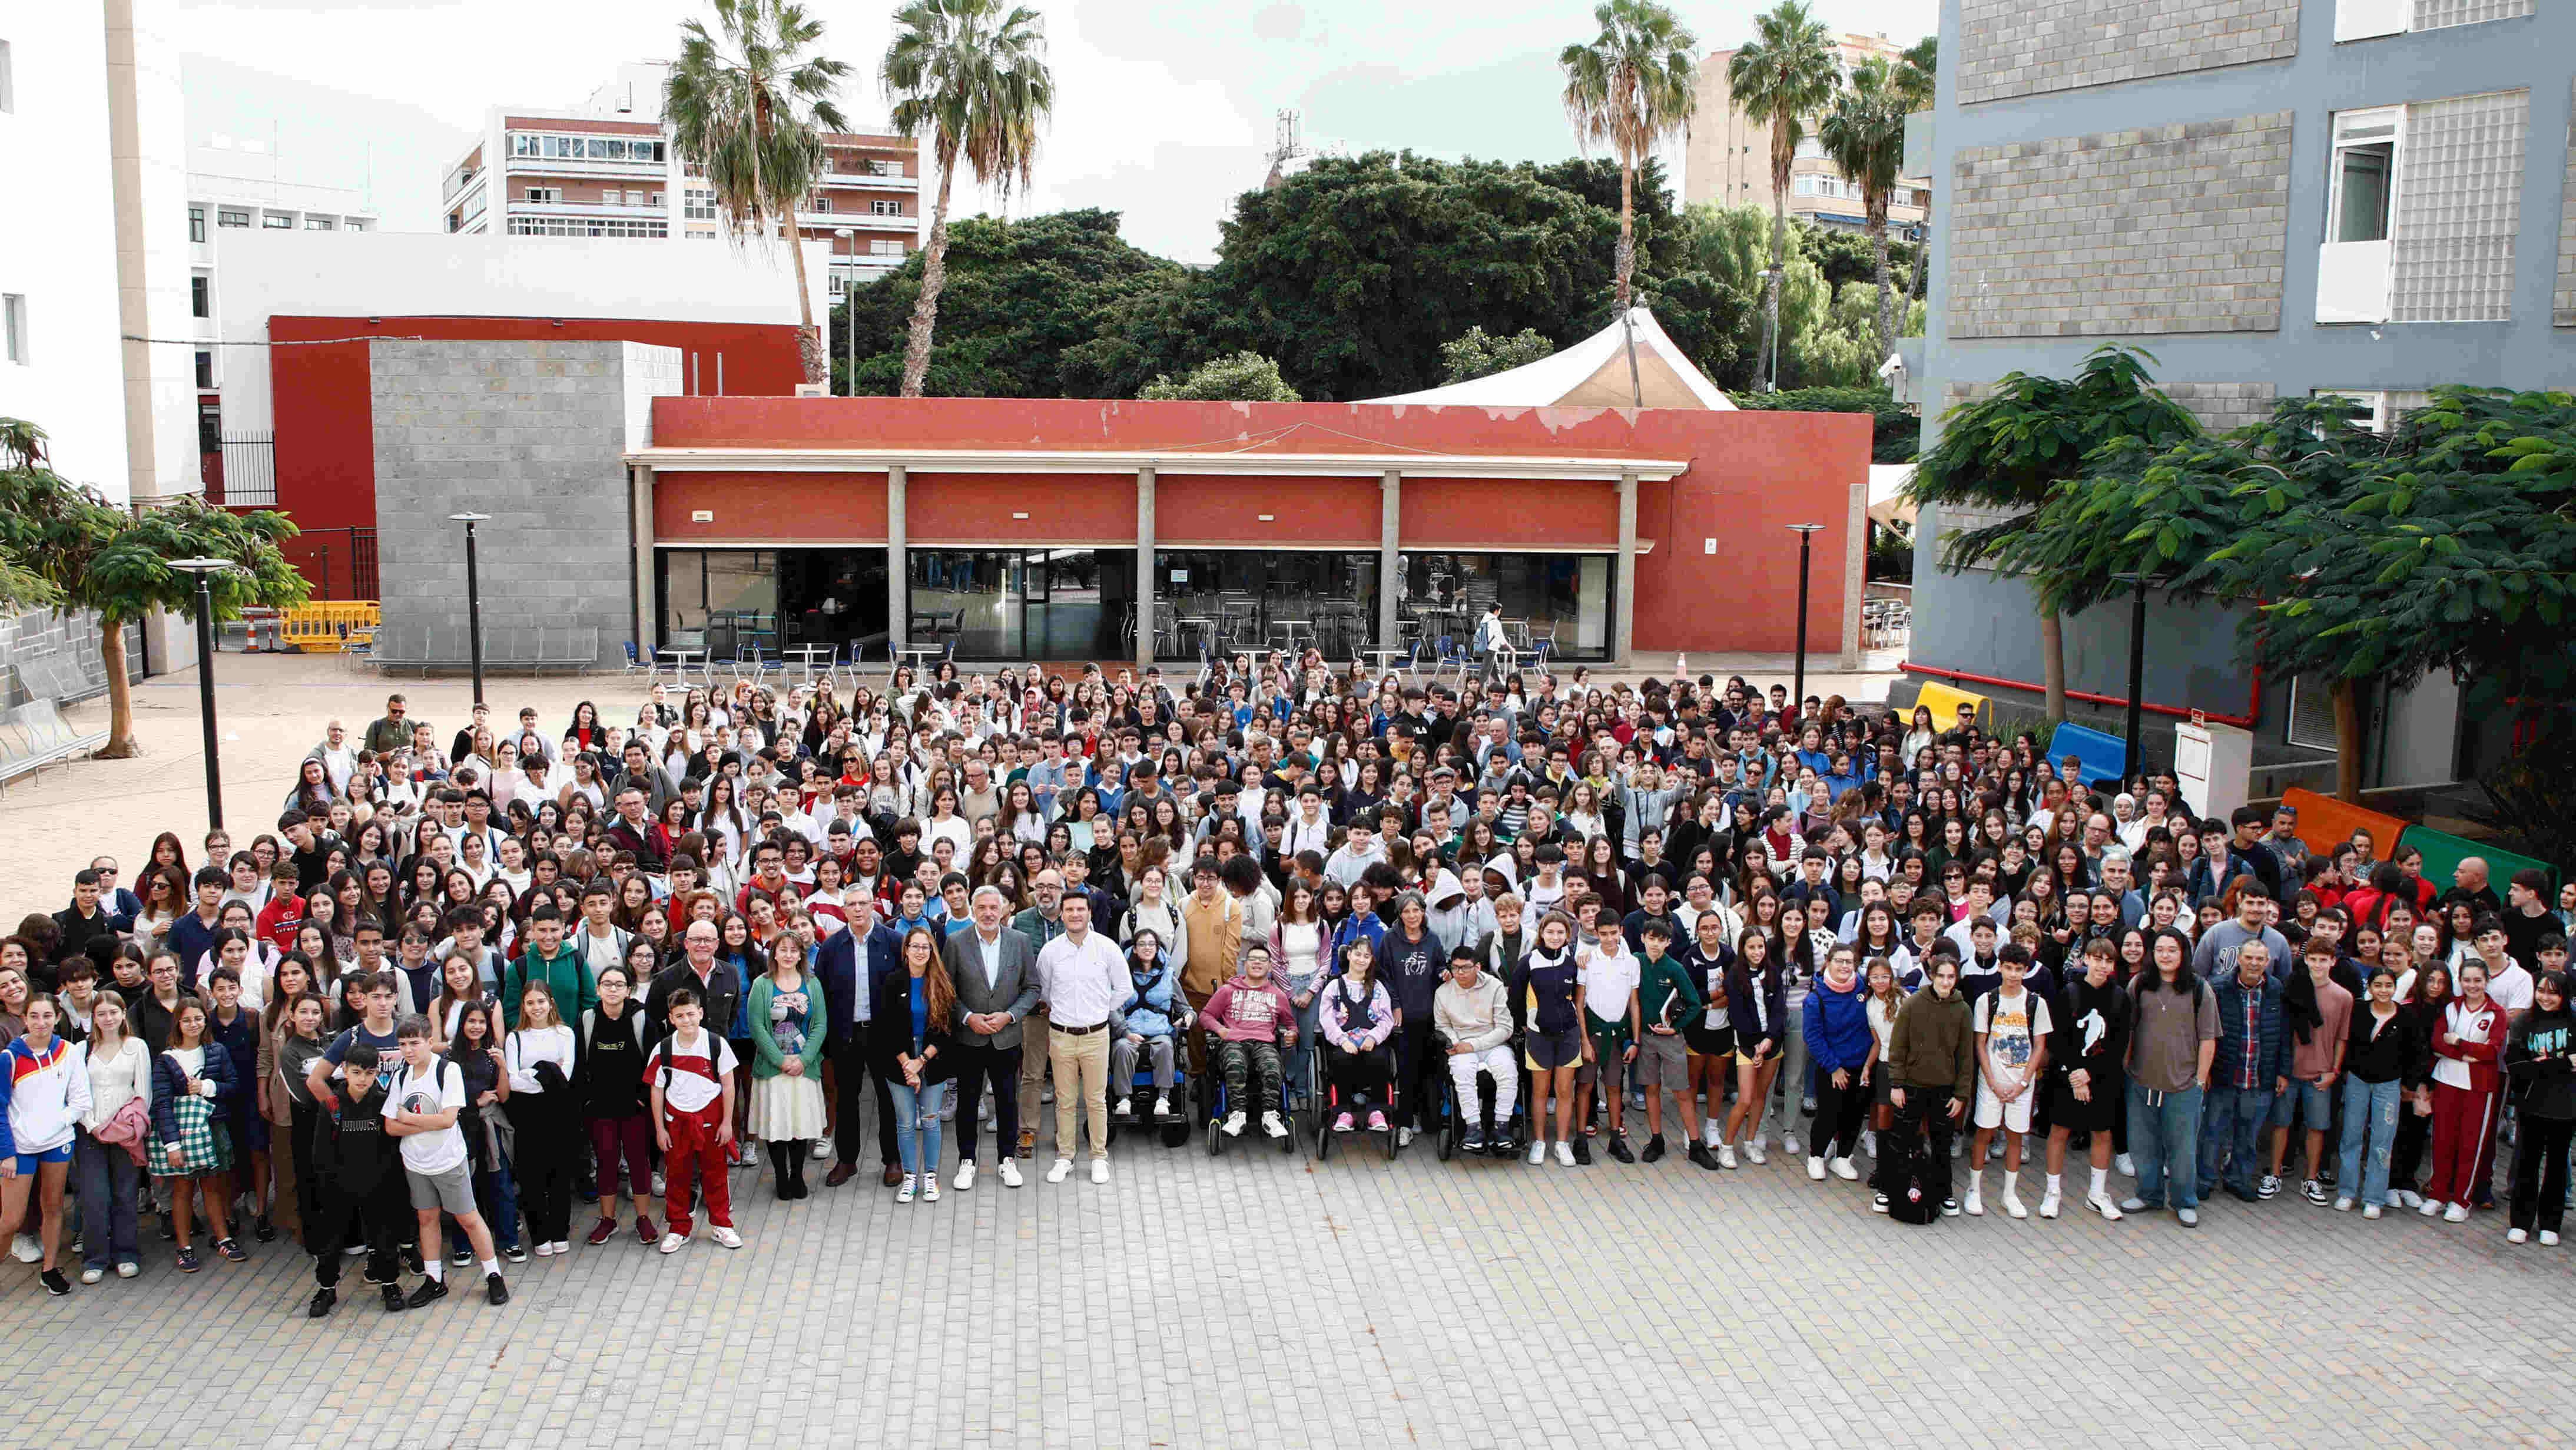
[1451, 1135]
[1218, 1105]
[1327, 1099]
[1139, 1117]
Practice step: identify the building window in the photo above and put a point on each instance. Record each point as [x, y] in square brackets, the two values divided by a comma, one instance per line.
[698, 206]
[586, 148]
[885, 168]
[2377, 411]
[654, 201]
[558, 226]
[205, 368]
[196, 224]
[2458, 208]
[2370, 19]
[228, 218]
[317, 224]
[820, 203]
[885, 247]
[210, 427]
[276, 221]
[200, 302]
[13, 325]
[357, 224]
[2365, 174]
[885, 208]
[545, 194]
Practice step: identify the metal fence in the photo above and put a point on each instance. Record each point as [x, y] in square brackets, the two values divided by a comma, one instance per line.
[340, 563]
[249, 473]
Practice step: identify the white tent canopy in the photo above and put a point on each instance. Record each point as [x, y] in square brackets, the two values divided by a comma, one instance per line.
[1592, 373]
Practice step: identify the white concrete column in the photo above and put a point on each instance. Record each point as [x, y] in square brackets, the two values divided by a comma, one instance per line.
[648, 603]
[1144, 570]
[1390, 522]
[898, 564]
[1855, 569]
[1623, 624]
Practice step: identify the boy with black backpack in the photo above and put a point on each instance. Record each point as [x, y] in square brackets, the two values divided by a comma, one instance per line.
[359, 1172]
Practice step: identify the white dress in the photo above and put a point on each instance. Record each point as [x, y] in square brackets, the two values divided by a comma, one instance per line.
[790, 1109]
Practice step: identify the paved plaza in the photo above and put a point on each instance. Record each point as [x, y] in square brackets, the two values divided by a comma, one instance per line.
[1262, 1300]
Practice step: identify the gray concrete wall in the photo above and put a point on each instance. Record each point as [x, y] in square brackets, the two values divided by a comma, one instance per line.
[1987, 626]
[2030, 47]
[44, 653]
[531, 433]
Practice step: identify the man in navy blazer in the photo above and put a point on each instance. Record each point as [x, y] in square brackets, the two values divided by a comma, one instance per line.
[838, 963]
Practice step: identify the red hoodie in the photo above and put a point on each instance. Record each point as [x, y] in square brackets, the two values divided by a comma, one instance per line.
[2483, 1032]
[278, 920]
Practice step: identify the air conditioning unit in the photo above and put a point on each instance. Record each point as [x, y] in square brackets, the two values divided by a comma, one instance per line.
[813, 390]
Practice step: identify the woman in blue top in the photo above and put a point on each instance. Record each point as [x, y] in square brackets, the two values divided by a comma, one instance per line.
[1551, 987]
[1843, 1049]
[736, 949]
[909, 1045]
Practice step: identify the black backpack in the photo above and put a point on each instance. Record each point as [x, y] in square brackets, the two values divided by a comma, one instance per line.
[1917, 1195]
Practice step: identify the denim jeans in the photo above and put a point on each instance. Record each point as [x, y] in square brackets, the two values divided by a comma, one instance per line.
[2369, 1118]
[2230, 1128]
[2164, 1141]
[107, 1177]
[919, 1148]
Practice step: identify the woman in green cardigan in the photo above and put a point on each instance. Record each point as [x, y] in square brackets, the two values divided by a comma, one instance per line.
[787, 1033]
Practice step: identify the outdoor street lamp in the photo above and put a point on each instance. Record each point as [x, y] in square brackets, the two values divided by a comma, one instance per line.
[473, 597]
[2136, 758]
[1806, 543]
[205, 570]
[849, 308]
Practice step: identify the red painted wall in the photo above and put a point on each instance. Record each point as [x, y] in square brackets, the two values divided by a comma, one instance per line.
[1062, 508]
[325, 424]
[1748, 476]
[838, 507]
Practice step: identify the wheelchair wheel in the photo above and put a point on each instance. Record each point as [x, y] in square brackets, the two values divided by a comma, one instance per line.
[1215, 1137]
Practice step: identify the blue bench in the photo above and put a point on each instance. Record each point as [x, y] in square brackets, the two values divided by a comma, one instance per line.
[2101, 756]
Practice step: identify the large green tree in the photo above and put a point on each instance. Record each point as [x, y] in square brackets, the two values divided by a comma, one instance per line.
[1864, 133]
[1629, 87]
[1782, 77]
[2017, 448]
[66, 548]
[1477, 353]
[748, 103]
[972, 76]
[1243, 377]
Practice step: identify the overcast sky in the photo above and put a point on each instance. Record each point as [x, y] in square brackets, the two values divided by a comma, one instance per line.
[1164, 111]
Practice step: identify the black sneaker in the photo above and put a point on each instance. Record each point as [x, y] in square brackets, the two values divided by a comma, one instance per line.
[1619, 1150]
[1475, 1143]
[515, 1253]
[1878, 1203]
[460, 1258]
[54, 1282]
[1583, 1151]
[494, 1291]
[394, 1299]
[1949, 1208]
[262, 1230]
[232, 1250]
[369, 1274]
[2270, 1185]
[1700, 1154]
[323, 1299]
[429, 1292]
[1654, 1150]
[411, 1261]
[187, 1259]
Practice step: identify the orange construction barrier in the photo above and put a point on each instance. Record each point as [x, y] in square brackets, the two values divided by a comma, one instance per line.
[2325, 822]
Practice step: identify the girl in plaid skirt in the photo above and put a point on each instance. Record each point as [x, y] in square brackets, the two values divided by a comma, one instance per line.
[192, 1089]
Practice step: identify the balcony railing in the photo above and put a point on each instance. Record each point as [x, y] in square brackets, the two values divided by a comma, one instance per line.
[857, 221]
[868, 180]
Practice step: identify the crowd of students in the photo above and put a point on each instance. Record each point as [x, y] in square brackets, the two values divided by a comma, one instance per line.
[463, 986]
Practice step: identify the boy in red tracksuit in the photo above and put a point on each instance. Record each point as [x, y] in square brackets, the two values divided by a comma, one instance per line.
[278, 920]
[692, 1076]
[2468, 1046]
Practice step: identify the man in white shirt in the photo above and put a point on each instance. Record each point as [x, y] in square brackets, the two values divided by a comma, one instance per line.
[1359, 851]
[1084, 980]
[337, 755]
[422, 1103]
[1309, 829]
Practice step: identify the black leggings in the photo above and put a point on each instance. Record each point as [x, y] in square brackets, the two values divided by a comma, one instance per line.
[1361, 1076]
[1418, 1071]
[1840, 1114]
[2540, 1172]
[544, 1160]
[1926, 1112]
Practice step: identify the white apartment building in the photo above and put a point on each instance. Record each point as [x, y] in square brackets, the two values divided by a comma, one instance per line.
[606, 168]
[1726, 156]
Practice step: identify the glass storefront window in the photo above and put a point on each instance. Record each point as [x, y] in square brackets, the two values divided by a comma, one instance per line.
[1024, 604]
[1559, 597]
[1253, 599]
[719, 599]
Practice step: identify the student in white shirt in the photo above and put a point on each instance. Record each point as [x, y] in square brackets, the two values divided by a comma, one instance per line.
[422, 1103]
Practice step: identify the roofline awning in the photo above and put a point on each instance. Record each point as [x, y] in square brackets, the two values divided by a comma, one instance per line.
[1574, 467]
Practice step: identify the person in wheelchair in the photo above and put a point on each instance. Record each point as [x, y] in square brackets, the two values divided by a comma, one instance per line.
[1358, 1017]
[1472, 1015]
[1249, 1020]
[1150, 1022]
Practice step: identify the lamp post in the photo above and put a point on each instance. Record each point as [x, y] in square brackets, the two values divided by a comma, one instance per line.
[1806, 543]
[205, 571]
[2135, 760]
[849, 321]
[473, 597]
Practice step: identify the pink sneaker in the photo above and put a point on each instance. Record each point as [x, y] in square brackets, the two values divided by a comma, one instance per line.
[1377, 1122]
[1342, 1124]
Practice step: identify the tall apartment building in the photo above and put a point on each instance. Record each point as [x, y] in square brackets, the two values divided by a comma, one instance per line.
[2356, 197]
[607, 168]
[1726, 158]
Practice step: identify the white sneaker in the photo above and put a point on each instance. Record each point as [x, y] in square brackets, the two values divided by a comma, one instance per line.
[92, 1276]
[2431, 1207]
[1271, 1124]
[822, 1150]
[673, 1243]
[1869, 1141]
[1816, 1169]
[2516, 1236]
[2548, 1240]
[1789, 1144]
[1162, 1107]
[911, 1186]
[1565, 1155]
[1538, 1151]
[1122, 1106]
[2456, 1213]
[1062, 1170]
[1976, 1204]
[1010, 1171]
[1404, 1137]
[2012, 1202]
[1099, 1170]
[1234, 1122]
[1726, 1155]
[965, 1178]
[1844, 1170]
[27, 1248]
[2049, 1203]
[2370, 1210]
[1753, 1151]
[2409, 1198]
[725, 1237]
[930, 1188]
[2343, 1205]
[2101, 1203]
[2127, 1165]
[562, 1249]
[545, 1251]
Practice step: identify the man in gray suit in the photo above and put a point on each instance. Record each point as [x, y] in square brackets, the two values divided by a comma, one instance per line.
[995, 972]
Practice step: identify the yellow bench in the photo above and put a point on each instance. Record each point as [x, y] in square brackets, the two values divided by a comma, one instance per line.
[1945, 701]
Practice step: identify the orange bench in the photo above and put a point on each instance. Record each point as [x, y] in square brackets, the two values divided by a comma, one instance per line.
[2325, 822]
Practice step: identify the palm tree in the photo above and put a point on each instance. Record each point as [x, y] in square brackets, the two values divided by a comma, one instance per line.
[749, 105]
[1785, 74]
[1916, 73]
[973, 75]
[1630, 88]
[1865, 135]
